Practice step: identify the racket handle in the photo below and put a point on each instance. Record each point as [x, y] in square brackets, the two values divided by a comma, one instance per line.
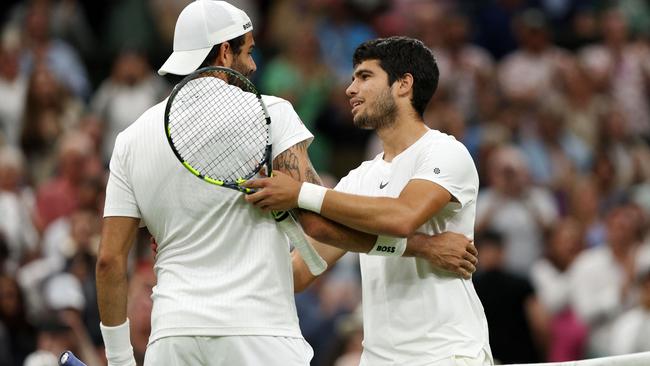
[296, 236]
[67, 358]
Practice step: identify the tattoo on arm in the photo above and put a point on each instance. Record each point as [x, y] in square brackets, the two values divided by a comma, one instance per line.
[288, 162]
[295, 162]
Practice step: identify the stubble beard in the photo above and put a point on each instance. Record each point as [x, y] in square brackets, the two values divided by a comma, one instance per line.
[383, 116]
[241, 68]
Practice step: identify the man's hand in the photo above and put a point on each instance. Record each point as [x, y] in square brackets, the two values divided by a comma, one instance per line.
[279, 192]
[448, 251]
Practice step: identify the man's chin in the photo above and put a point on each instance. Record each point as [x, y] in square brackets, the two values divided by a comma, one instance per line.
[362, 123]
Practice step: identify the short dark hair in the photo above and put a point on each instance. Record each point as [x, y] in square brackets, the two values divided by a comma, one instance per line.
[399, 56]
[235, 45]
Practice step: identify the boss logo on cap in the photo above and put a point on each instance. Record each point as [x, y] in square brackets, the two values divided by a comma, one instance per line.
[247, 25]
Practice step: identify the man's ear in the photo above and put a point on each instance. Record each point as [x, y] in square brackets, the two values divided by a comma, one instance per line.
[405, 85]
[224, 57]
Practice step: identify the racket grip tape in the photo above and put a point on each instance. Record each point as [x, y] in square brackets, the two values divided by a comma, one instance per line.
[67, 358]
[294, 232]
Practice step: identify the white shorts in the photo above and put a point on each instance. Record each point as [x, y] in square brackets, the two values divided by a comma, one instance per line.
[483, 359]
[229, 351]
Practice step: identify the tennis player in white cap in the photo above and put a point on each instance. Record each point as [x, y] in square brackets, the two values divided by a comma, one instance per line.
[224, 293]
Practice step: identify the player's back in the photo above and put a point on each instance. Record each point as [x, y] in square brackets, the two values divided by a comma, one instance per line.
[222, 266]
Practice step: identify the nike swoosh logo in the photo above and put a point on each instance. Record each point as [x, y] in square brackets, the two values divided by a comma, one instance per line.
[382, 185]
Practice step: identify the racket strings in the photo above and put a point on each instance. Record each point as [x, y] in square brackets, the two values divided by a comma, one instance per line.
[219, 129]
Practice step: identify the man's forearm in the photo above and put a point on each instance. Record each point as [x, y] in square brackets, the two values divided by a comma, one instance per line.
[335, 234]
[112, 291]
[329, 232]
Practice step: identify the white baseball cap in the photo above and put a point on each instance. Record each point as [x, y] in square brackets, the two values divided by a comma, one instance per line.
[200, 26]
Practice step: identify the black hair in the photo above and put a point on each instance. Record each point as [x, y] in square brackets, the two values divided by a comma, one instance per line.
[403, 55]
[235, 45]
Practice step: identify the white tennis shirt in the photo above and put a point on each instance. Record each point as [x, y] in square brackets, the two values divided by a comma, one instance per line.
[223, 267]
[414, 314]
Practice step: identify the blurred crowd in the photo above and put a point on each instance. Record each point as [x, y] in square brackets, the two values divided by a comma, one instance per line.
[551, 98]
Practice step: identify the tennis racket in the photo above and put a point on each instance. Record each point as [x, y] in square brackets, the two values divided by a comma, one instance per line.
[220, 130]
[67, 358]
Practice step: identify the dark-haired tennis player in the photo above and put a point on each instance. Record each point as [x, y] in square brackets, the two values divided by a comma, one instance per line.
[424, 181]
[224, 293]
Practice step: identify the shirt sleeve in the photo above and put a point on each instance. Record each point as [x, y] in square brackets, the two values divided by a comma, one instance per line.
[120, 197]
[344, 184]
[286, 127]
[351, 182]
[449, 165]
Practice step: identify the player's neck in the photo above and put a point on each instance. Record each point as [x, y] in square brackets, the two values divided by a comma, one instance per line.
[402, 134]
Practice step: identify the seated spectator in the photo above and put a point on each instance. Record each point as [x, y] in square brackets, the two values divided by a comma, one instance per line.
[16, 204]
[621, 69]
[66, 302]
[130, 90]
[13, 87]
[517, 320]
[568, 335]
[13, 317]
[465, 69]
[514, 207]
[527, 74]
[40, 47]
[59, 196]
[602, 278]
[51, 113]
[631, 331]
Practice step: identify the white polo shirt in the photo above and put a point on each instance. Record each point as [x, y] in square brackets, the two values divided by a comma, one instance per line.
[223, 267]
[414, 314]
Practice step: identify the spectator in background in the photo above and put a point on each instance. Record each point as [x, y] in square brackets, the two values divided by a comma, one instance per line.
[13, 87]
[621, 69]
[555, 155]
[130, 90]
[51, 112]
[567, 333]
[602, 278]
[16, 206]
[340, 33]
[78, 231]
[425, 21]
[350, 333]
[68, 242]
[13, 317]
[494, 19]
[529, 73]
[517, 320]
[297, 75]
[585, 206]
[59, 196]
[323, 305]
[466, 70]
[511, 205]
[65, 299]
[631, 331]
[579, 104]
[629, 154]
[583, 27]
[40, 47]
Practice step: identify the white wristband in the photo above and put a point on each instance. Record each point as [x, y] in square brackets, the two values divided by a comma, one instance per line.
[311, 197]
[117, 342]
[389, 246]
